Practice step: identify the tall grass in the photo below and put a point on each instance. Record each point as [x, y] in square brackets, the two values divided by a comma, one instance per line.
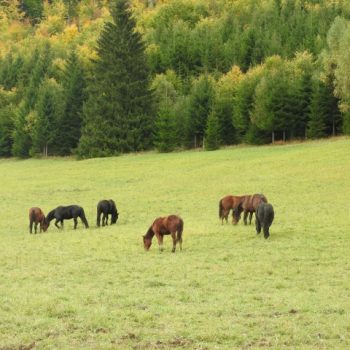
[228, 288]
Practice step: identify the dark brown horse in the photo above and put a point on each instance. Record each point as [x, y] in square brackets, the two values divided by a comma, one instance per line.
[226, 204]
[36, 216]
[249, 206]
[264, 216]
[171, 224]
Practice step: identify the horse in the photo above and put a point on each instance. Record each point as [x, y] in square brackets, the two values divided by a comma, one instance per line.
[69, 212]
[106, 207]
[263, 218]
[171, 224]
[249, 205]
[226, 204]
[36, 216]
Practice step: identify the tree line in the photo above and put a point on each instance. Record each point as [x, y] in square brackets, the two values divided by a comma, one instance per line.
[96, 79]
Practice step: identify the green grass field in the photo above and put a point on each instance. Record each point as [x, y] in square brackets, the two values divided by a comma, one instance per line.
[228, 288]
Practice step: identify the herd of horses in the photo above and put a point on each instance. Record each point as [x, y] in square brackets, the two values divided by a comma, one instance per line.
[169, 225]
[248, 205]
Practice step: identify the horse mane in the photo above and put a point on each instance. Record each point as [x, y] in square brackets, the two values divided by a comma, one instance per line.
[149, 233]
[50, 216]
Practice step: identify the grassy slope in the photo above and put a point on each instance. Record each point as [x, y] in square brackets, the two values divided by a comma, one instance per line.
[228, 288]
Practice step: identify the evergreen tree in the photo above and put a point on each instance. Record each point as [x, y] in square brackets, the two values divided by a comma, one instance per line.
[48, 110]
[165, 140]
[6, 122]
[22, 130]
[117, 114]
[316, 125]
[74, 85]
[201, 101]
[212, 133]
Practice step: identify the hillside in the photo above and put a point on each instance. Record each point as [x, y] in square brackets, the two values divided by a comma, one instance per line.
[228, 288]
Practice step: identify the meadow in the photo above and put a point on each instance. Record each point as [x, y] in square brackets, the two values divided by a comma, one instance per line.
[228, 288]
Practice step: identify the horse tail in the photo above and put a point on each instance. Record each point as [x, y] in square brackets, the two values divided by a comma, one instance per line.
[83, 218]
[180, 230]
[221, 208]
[98, 215]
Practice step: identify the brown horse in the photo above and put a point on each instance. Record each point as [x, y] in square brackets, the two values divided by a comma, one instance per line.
[36, 216]
[171, 224]
[226, 204]
[249, 205]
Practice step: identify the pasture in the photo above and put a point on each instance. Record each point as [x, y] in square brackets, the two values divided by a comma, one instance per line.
[97, 288]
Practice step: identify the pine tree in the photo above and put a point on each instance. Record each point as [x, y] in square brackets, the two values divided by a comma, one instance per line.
[165, 140]
[117, 113]
[316, 125]
[48, 112]
[201, 102]
[212, 134]
[22, 124]
[74, 85]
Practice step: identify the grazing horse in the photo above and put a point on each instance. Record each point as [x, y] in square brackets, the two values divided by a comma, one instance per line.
[106, 207]
[171, 224]
[249, 205]
[69, 212]
[263, 218]
[36, 216]
[226, 204]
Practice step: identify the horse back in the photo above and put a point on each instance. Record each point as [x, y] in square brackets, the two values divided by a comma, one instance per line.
[36, 215]
[256, 199]
[227, 202]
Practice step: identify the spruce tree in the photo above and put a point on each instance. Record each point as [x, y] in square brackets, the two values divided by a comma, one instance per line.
[212, 134]
[117, 113]
[74, 85]
[165, 140]
[48, 113]
[22, 125]
[317, 118]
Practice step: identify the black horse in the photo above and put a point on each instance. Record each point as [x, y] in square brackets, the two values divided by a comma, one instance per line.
[106, 207]
[69, 212]
[264, 216]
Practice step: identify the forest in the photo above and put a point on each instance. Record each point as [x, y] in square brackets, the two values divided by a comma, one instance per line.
[95, 78]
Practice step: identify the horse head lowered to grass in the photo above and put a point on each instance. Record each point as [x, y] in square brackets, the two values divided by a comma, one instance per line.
[171, 224]
[104, 208]
[69, 212]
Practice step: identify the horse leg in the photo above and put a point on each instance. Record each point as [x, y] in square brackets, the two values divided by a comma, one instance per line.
[173, 236]
[250, 217]
[35, 227]
[245, 217]
[266, 231]
[75, 223]
[98, 219]
[160, 241]
[257, 225]
[31, 227]
[103, 219]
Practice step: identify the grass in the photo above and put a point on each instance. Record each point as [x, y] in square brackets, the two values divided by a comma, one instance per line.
[228, 288]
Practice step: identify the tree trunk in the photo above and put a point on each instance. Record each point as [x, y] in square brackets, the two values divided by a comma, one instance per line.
[273, 137]
[284, 136]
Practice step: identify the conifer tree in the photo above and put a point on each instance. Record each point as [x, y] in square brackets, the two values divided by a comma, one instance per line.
[22, 124]
[165, 130]
[201, 103]
[74, 85]
[316, 125]
[117, 114]
[48, 110]
[212, 134]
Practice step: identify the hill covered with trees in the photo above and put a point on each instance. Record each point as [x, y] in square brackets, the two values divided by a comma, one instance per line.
[94, 79]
